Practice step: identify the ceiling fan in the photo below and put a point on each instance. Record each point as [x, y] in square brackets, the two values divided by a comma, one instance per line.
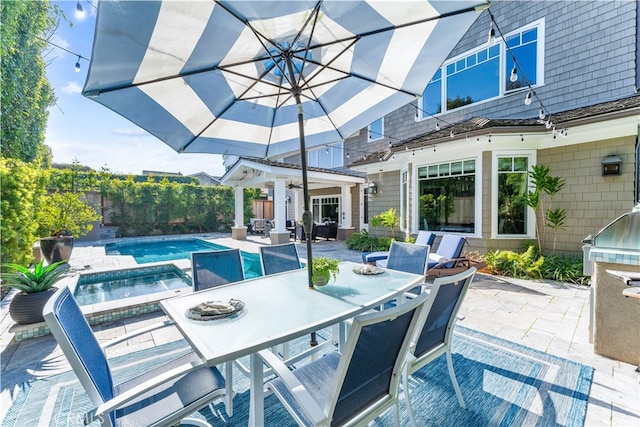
[292, 186]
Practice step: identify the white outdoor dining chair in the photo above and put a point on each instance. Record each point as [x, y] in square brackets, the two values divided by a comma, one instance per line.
[164, 395]
[410, 258]
[435, 331]
[423, 238]
[279, 258]
[215, 268]
[357, 386]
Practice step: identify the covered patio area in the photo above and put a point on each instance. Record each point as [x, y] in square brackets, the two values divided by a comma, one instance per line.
[335, 195]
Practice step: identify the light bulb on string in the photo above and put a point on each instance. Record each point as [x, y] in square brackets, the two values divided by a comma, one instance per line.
[527, 100]
[514, 75]
[451, 134]
[437, 125]
[79, 10]
[541, 115]
[77, 67]
[492, 35]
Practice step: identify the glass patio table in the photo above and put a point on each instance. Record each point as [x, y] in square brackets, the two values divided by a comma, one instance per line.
[277, 309]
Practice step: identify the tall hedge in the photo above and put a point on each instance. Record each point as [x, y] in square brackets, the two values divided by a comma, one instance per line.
[22, 186]
[149, 208]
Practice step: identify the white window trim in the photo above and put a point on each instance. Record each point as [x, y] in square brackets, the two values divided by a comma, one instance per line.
[531, 216]
[403, 206]
[415, 215]
[540, 23]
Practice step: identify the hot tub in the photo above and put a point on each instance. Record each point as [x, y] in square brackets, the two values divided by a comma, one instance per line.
[615, 330]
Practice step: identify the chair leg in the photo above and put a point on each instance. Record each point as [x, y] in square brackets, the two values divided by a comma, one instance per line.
[452, 374]
[407, 396]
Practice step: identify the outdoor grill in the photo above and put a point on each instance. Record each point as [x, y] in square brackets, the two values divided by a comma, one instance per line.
[615, 312]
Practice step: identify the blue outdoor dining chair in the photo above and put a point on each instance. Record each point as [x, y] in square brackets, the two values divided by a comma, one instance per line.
[279, 258]
[358, 385]
[163, 395]
[423, 238]
[435, 331]
[215, 268]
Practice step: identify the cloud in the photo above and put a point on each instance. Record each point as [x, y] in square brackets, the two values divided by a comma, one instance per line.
[71, 88]
[130, 132]
[56, 39]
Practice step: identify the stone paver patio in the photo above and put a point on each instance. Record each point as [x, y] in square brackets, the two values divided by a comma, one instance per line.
[548, 316]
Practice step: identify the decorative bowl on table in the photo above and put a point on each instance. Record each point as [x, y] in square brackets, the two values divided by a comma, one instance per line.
[367, 269]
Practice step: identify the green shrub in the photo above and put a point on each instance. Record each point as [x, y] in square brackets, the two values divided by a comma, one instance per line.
[22, 187]
[364, 242]
[564, 269]
[523, 265]
[530, 264]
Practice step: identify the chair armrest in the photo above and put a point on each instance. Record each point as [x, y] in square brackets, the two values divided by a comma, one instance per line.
[140, 389]
[298, 391]
[135, 333]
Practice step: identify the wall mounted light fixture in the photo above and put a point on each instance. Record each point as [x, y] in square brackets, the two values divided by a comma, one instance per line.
[373, 188]
[611, 165]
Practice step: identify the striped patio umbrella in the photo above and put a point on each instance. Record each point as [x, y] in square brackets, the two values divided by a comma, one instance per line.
[268, 78]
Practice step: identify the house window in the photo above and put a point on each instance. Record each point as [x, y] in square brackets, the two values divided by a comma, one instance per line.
[511, 185]
[325, 208]
[327, 157]
[376, 130]
[484, 74]
[447, 196]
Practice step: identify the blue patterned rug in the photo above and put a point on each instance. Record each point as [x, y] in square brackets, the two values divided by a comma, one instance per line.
[503, 384]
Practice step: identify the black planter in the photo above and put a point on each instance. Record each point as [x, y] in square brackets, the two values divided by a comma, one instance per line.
[27, 308]
[56, 249]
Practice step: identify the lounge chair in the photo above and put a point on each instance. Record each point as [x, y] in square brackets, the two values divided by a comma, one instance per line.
[163, 395]
[410, 258]
[423, 238]
[435, 334]
[356, 385]
[215, 268]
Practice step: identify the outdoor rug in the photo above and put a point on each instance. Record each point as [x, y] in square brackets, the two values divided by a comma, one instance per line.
[503, 384]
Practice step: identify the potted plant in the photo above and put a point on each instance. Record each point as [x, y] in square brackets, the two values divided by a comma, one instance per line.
[62, 217]
[35, 286]
[324, 269]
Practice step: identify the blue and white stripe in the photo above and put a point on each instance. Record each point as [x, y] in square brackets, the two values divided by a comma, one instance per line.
[198, 74]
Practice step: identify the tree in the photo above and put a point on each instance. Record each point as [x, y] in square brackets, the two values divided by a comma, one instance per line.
[26, 93]
[543, 183]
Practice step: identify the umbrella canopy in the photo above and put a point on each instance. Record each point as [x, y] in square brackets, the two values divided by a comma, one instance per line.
[265, 79]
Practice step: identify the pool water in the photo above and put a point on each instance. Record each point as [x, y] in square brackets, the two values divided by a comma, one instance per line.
[95, 288]
[145, 252]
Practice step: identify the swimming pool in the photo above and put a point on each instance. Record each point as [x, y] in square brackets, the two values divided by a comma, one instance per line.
[145, 252]
[95, 288]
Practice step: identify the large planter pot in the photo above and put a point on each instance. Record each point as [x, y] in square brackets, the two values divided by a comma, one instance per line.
[27, 308]
[55, 249]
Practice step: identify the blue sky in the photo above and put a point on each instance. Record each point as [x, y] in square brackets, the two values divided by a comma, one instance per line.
[79, 128]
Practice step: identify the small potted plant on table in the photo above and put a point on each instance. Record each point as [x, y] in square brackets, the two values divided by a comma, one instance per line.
[324, 269]
[36, 287]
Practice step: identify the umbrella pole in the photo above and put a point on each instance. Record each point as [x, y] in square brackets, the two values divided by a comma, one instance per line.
[307, 216]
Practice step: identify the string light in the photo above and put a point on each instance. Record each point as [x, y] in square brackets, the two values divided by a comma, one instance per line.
[527, 100]
[541, 115]
[521, 138]
[77, 68]
[437, 126]
[451, 134]
[514, 74]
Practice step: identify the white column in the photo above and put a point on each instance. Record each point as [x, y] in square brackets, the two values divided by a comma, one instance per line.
[298, 205]
[346, 220]
[239, 207]
[279, 206]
